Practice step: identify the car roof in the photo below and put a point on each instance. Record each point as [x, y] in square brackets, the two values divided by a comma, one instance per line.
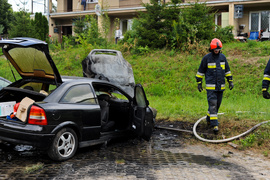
[84, 79]
[98, 82]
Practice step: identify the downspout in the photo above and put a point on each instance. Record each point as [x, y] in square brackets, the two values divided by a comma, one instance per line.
[48, 13]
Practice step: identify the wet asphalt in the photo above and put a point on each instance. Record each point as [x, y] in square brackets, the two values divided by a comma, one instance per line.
[165, 156]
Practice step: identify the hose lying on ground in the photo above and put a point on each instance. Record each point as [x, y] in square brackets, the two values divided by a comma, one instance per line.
[224, 140]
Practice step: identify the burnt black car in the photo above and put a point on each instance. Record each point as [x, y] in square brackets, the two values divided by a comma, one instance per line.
[66, 112]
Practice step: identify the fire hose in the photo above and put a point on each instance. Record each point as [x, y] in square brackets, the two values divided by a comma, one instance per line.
[224, 140]
[213, 141]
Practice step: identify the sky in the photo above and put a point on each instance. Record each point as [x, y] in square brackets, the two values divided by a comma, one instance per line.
[38, 5]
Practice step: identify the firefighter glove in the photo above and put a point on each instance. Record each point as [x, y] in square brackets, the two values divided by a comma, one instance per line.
[231, 85]
[200, 86]
[266, 95]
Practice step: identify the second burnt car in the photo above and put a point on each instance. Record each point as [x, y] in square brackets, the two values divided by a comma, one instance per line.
[60, 114]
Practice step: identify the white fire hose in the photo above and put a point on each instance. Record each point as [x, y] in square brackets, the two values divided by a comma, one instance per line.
[224, 140]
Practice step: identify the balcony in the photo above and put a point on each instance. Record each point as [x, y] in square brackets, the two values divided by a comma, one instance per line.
[64, 6]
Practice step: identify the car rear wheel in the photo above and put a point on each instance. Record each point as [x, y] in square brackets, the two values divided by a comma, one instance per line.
[64, 145]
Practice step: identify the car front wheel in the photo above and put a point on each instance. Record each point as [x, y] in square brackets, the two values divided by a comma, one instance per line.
[64, 145]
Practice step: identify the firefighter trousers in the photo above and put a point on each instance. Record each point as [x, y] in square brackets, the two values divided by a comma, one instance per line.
[214, 100]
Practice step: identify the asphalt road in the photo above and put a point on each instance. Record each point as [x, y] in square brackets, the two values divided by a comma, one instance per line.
[168, 155]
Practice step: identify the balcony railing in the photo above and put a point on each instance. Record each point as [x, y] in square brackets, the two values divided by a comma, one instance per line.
[90, 5]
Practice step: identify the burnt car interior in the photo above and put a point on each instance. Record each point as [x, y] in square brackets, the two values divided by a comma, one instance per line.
[115, 111]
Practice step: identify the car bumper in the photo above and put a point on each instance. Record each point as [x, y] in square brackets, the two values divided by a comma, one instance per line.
[19, 136]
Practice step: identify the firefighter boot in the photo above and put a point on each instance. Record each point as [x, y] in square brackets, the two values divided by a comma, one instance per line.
[208, 120]
[215, 129]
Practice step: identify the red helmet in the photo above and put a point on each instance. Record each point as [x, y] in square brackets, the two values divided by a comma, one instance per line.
[215, 44]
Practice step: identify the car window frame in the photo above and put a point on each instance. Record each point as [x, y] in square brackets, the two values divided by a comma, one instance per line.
[68, 90]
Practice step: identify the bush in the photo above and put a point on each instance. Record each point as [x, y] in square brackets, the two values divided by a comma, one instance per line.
[224, 34]
[168, 26]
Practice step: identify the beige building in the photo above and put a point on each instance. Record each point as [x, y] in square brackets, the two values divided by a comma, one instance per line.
[245, 15]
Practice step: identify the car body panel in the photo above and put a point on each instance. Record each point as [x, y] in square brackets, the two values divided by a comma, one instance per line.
[20, 133]
[142, 115]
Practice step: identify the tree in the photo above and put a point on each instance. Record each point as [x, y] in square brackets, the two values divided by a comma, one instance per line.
[6, 15]
[1, 28]
[153, 28]
[40, 26]
[86, 28]
[79, 25]
[21, 25]
[169, 25]
[202, 18]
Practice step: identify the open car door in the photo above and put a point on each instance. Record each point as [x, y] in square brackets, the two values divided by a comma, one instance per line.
[142, 115]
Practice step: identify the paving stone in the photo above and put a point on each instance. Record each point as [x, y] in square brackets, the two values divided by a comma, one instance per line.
[163, 158]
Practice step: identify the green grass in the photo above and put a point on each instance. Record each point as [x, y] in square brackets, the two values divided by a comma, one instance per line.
[33, 168]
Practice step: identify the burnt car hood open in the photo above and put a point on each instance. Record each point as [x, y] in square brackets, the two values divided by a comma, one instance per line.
[31, 58]
[109, 65]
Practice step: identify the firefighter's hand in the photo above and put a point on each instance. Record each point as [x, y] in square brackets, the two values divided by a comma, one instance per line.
[231, 85]
[266, 95]
[200, 87]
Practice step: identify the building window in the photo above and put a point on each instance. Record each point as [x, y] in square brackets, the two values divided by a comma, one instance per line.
[265, 20]
[125, 25]
[259, 21]
[91, 1]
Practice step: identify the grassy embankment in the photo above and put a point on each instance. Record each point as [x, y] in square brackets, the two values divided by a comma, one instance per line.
[169, 81]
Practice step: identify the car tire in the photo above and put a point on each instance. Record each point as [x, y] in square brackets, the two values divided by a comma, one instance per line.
[64, 145]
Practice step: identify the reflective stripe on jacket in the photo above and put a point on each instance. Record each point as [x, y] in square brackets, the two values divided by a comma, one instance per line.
[266, 77]
[215, 68]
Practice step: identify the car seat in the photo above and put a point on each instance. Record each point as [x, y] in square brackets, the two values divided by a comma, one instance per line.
[106, 125]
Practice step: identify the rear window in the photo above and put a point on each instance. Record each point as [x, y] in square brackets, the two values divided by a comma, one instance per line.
[29, 59]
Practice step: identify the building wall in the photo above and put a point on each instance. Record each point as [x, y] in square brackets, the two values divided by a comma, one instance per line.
[60, 5]
[117, 10]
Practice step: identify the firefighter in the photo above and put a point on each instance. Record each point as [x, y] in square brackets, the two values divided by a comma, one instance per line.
[266, 81]
[214, 66]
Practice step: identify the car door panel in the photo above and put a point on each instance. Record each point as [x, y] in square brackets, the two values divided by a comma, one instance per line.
[86, 117]
[142, 115]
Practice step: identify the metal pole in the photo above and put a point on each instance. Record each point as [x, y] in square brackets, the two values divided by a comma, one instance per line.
[48, 12]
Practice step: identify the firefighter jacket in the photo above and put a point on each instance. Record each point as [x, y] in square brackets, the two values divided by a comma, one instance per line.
[266, 78]
[215, 68]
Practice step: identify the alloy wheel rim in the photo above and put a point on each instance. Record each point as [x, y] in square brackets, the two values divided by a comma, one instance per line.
[66, 144]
